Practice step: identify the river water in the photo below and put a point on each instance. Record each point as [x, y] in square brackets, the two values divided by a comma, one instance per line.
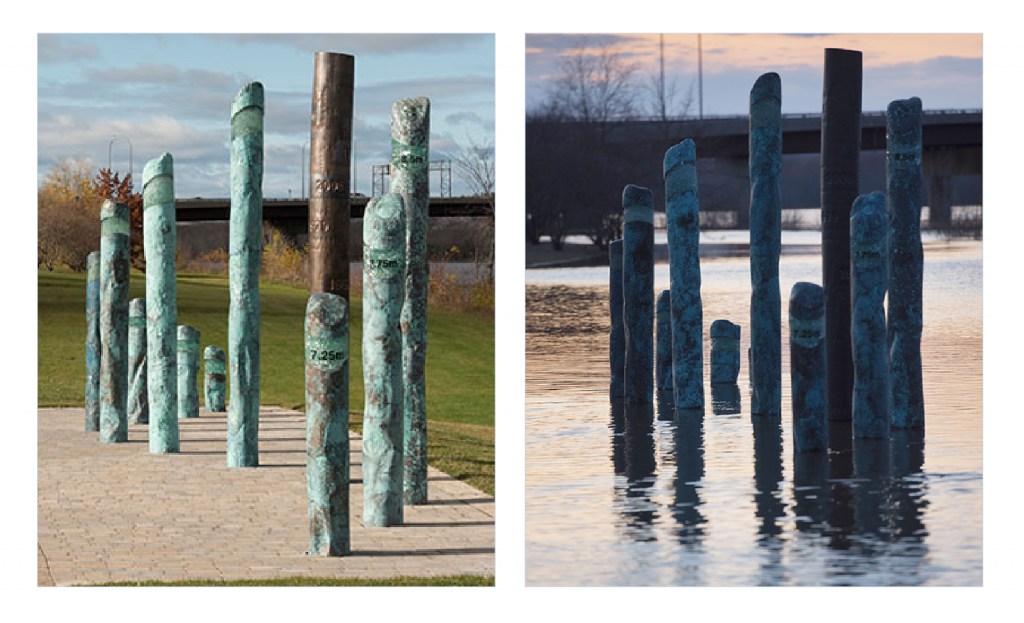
[617, 499]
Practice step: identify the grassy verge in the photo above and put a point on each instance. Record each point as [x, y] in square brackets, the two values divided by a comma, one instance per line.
[460, 360]
[448, 580]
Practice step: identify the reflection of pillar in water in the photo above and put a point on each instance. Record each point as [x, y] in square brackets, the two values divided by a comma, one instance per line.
[868, 229]
[906, 263]
[617, 338]
[138, 397]
[384, 280]
[617, 427]
[840, 473]
[188, 372]
[807, 367]
[840, 185]
[330, 146]
[327, 446]
[768, 474]
[689, 458]
[765, 244]
[725, 352]
[410, 142]
[683, 218]
[114, 322]
[246, 246]
[871, 469]
[638, 293]
[663, 318]
[161, 304]
[665, 403]
[92, 343]
[640, 467]
[214, 378]
[810, 490]
[906, 447]
[725, 398]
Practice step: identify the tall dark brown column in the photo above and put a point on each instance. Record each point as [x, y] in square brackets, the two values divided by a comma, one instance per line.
[330, 148]
[840, 182]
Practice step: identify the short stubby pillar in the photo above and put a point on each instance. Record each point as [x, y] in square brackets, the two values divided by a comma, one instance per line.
[245, 253]
[138, 396]
[725, 352]
[869, 275]
[92, 343]
[638, 293]
[114, 269]
[906, 263]
[410, 166]
[765, 244]
[807, 367]
[683, 217]
[617, 337]
[188, 372]
[161, 304]
[214, 379]
[327, 421]
[384, 280]
[663, 317]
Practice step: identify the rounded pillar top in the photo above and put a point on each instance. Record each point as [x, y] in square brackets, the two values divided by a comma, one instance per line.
[161, 165]
[725, 328]
[869, 221]
[615, 247]
[664, 304]
[249, 95]
[213, 352]
[637, 197]
[187, 333]
[137, 307]
[411, 116]
[807, 301]
[92, 265]
[903, 122]
[325, 313]
[384, 221]
[766, 100]
[683, 153]
[114, 209]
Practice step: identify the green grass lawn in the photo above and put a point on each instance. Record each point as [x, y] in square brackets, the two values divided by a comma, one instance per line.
[460, 360]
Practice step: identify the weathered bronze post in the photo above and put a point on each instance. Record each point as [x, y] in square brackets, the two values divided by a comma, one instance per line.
[92, 343]
[869, 275]
[663, 341]
[410, 159]
[638, 293]
[840, 186]
[807, 367]
[327, 447]
[138, 397]
[161, 304]
[246, 249]
[330, 147]
[906, 263]
[214, 379]
[384, 279]
[188, 372]
[114, 322]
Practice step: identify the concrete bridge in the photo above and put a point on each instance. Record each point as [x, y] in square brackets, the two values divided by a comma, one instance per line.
[952, 159]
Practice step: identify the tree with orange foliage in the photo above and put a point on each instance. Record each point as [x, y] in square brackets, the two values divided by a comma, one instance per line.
[108, 185]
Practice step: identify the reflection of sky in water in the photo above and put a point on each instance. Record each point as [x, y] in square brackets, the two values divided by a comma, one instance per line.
[724, 501]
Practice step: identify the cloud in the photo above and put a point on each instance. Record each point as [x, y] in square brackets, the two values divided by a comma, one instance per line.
[63, 49]
[465, 116]
[380, 44]
[166, 75]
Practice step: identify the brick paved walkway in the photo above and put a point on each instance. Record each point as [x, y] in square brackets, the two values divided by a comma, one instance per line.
[115, 512]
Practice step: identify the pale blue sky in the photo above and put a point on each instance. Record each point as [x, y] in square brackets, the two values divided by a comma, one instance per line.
[173, 93]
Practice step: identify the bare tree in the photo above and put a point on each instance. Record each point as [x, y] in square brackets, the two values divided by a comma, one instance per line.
[475, 165]
[595, 85]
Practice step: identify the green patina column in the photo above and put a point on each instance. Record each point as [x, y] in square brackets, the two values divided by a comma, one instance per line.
[138, 397]
[808, 383]
[869, 276]
[188, 372]
[765, 245]
[327, 449]
[214, 379]
[663, 342]
[638, 293]
[92, 343]
[906, 263]
[114, 322]
[161, 304]
[245, 250]
[384, 280]
[410, 143]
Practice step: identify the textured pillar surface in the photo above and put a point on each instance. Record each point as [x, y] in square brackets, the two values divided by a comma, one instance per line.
[92, 343]
[663, 318]
[725, 352]
[114, 321]
[840, 186]
[410, 158]
[188, 372]
[330, 149]
[327, 446]
[617, 337]
[683, 217]
[214, 379]
[161, 304]
[638, 293]
[384, 279]
[807, 367]
[138, 396]
[245, 250]
[906, 263]
[765, 244]
[869, 275]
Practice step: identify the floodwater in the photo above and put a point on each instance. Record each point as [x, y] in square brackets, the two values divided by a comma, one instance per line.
[617, 499]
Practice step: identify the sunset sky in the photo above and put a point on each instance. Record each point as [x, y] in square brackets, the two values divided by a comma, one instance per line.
[944, 70]
[173, 93]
